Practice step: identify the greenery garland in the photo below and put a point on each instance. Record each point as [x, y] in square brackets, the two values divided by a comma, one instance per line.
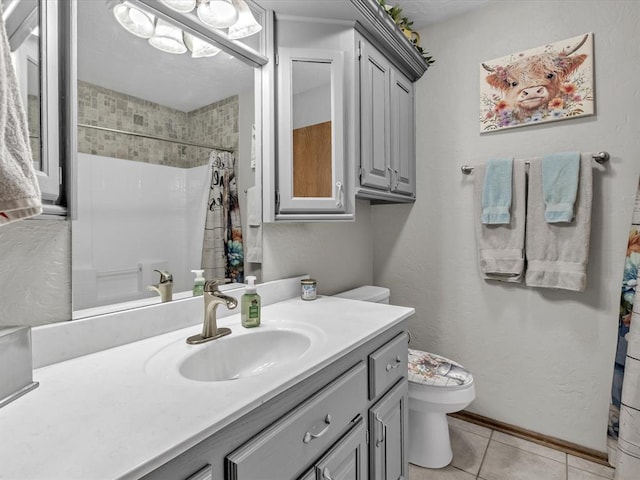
[395, 12]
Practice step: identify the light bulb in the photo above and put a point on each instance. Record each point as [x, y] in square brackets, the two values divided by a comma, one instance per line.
[199, 48]
[217, 13]
[246, 24]
[168, 38]
[135, 21]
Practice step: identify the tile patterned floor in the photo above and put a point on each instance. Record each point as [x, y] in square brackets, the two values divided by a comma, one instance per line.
[480, 453]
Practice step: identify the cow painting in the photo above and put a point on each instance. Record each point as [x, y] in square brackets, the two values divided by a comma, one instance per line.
[544, 84]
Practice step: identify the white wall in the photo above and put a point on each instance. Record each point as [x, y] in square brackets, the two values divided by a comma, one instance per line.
[542, 359]
[338, 255]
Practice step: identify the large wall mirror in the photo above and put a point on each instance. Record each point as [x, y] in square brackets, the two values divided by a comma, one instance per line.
[165, 128]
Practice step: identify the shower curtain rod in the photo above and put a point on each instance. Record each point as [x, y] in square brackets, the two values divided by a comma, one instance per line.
[600, 157]
[155, 137]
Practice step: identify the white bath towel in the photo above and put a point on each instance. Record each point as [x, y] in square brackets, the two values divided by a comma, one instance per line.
[501, 247]
[557, 253]
[19, 191]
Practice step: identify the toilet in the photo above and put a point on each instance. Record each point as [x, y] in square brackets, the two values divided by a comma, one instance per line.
[437, 386]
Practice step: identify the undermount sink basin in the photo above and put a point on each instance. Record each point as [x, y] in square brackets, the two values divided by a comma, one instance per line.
[240, 356]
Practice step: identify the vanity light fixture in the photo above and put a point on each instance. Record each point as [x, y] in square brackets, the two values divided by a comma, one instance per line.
[235, 15]
[246, 24]
[168, 38]
[141, 24]
[217, 13]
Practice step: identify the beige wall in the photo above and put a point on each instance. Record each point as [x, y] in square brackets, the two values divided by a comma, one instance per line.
[542, 359]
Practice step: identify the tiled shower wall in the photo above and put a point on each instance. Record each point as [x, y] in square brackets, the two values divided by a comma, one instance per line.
[212, 125]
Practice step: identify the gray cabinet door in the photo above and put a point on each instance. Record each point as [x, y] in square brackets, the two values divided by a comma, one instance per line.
[388, 425]
[403, 158]
[375, 125]
[347, 459]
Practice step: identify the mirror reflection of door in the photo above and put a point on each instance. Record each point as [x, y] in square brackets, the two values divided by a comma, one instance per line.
[312, 145]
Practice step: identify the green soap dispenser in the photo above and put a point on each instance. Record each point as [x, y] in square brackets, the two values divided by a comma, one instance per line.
[198, 283]
[250, 305]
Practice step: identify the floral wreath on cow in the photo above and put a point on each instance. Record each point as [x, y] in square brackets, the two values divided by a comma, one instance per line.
[548, 83]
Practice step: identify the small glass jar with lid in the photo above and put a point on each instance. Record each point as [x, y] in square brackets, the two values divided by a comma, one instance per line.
[308, 289]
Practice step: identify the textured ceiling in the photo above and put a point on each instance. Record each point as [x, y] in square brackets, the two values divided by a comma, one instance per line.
[426, 12]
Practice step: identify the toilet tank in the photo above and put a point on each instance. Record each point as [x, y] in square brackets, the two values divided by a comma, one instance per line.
[367, 293]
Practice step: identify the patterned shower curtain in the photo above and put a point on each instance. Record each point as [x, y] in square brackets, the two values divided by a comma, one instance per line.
[624, 415]
[222, 249]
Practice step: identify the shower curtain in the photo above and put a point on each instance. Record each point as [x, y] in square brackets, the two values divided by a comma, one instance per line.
[624, 416]
[222, 249]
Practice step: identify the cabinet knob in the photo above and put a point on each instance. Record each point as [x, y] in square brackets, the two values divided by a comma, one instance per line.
[326, 474]
[310, 436]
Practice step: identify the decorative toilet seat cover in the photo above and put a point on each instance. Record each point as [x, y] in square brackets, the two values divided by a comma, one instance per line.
[433, 370]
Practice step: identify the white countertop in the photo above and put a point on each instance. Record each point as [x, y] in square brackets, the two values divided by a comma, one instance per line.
[110, 414]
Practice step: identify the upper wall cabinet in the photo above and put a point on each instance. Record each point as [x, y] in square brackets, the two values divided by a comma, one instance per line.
[344, 111]
[387, 129]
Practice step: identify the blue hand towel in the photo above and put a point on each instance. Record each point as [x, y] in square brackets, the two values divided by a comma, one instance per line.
[496, 192]
[560, 185]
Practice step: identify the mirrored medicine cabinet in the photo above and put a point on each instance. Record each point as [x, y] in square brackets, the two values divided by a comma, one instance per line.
[311, 131]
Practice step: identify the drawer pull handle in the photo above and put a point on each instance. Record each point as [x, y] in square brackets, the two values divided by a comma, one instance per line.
[326, 474]
[394, 365]
[310, 436]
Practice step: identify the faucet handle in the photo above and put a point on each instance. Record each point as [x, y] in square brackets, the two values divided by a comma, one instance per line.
[165, 277]
[214, 285]
[211, 286]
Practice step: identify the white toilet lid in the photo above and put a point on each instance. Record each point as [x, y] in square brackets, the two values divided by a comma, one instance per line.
[429, 369]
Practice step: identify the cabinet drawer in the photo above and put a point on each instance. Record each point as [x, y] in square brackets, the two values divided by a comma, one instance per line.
[292, 443]
[387, 365]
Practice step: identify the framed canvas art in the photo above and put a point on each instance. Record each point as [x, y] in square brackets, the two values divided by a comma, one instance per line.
[544, 84]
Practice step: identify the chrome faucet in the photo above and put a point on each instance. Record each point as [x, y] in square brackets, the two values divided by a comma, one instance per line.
[212, 298]
[165, 287]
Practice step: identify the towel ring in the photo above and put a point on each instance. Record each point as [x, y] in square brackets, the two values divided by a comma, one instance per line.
[600, 157]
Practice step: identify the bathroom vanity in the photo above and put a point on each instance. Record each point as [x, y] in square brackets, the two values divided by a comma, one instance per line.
[328, 401]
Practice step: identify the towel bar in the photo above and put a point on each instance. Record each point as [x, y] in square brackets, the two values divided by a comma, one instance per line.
[600, 157]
